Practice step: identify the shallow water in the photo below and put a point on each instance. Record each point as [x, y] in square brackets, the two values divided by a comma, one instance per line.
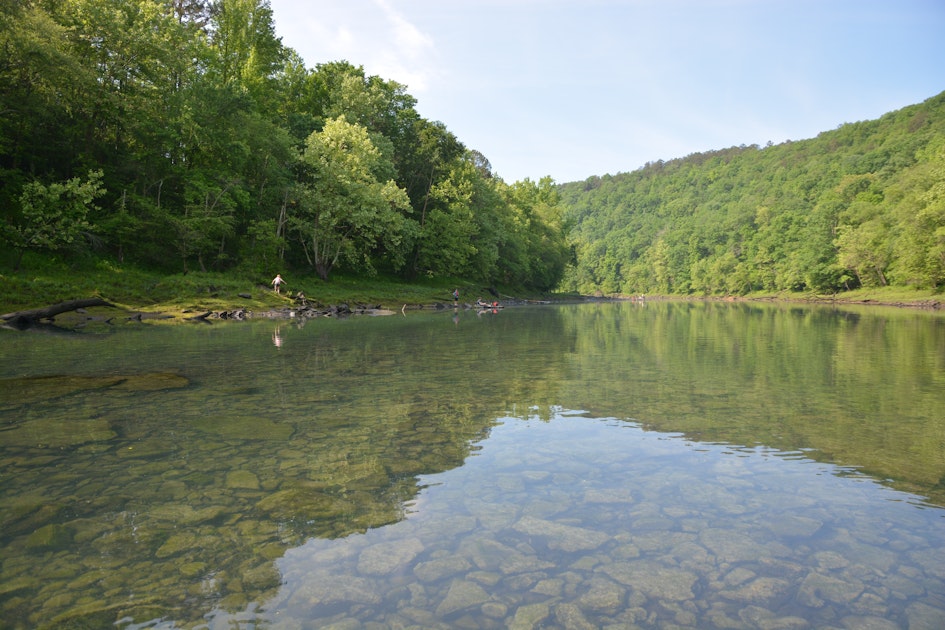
[694, 465]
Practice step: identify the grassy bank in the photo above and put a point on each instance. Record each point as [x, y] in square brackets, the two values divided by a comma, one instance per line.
[42, 282]
[884, 296]
[45, 283]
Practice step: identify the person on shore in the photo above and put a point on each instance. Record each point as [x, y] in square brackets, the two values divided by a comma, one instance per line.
[277, 282]
[455, 297]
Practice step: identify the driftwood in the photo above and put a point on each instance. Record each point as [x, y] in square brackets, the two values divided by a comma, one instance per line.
[22, 319]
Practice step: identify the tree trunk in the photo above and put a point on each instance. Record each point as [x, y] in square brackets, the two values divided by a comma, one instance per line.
[22, 318]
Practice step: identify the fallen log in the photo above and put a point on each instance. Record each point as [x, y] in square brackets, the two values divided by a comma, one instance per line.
[24, 318]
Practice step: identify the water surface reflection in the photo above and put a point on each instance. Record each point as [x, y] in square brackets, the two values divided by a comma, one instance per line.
[582, 523]
[420, 470]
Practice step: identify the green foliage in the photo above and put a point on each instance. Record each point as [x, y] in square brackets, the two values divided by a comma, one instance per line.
[220, 149]
[344, 210]
[860, 206]
[920, 214]
[53, 216]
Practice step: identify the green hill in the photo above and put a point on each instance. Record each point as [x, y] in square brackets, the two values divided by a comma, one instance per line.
[860, 206]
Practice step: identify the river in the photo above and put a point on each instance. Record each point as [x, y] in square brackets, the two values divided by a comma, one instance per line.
[651, 465]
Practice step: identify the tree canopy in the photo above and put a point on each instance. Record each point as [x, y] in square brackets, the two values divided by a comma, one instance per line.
[862, 205]
[206, 143]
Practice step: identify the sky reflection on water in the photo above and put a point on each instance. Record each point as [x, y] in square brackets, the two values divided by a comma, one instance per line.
[580, 522]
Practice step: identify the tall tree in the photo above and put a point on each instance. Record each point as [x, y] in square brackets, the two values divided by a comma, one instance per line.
[344, 211]
[42, 84]
[247, 52]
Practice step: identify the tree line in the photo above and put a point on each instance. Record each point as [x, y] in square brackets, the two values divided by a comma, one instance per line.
[182, 134]
[859, 206]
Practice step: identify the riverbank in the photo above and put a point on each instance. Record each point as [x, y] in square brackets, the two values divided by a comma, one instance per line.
[134, 293]
[900, 297]
[883, 296]
[148, 295]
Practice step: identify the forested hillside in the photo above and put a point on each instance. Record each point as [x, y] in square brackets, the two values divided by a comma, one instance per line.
[862, 205]
[182, 134]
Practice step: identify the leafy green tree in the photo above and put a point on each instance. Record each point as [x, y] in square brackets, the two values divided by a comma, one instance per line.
[491, 215]
[537, 253]
[344, 210]
[429, 154]
[920, 248]
[53, 216]
[245, 49]
[446, 241]
[41, 83]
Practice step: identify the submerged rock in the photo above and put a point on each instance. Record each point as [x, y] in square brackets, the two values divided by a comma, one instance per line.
[563, 537]
[570, 616]
[32, 389]
[385, 558]
[818, 589]
[530, 616]
[653, 579]
[52, 537]
[242, 479]
[334, 589]
[244, 427]
[58, 432]
[762, 591]
[461, 595]
[441, 568]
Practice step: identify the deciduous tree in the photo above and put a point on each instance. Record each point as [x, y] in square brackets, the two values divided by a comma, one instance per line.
[344, 210]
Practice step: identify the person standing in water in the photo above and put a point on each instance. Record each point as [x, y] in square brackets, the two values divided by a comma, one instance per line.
[277, 282]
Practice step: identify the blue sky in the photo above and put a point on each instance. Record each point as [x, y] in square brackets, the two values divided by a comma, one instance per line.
[574, 88]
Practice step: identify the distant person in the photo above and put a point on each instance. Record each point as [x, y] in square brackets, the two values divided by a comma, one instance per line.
[455, 296]
[277, 282]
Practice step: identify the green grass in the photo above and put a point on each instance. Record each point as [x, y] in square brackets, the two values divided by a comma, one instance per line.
[890, 295]
[899, 296]
[43, 281]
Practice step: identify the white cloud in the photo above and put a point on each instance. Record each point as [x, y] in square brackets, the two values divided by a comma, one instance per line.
[403, 52]
[408, 38]
[370, 33]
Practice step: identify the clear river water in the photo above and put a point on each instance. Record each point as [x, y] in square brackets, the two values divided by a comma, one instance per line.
[600, 465]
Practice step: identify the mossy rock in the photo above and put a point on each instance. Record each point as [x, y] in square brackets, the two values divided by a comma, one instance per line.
[303, 504]
[31, 389]
[58, 432]
[155, 381]
[193, 569]
[242, 479]
[25, 390]
[177, 544]
[99, 615]
[26, 513]
[21, 583]
[51, 537]
[245, 428]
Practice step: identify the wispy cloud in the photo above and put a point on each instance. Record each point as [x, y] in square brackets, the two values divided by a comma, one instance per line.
[405, 53]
